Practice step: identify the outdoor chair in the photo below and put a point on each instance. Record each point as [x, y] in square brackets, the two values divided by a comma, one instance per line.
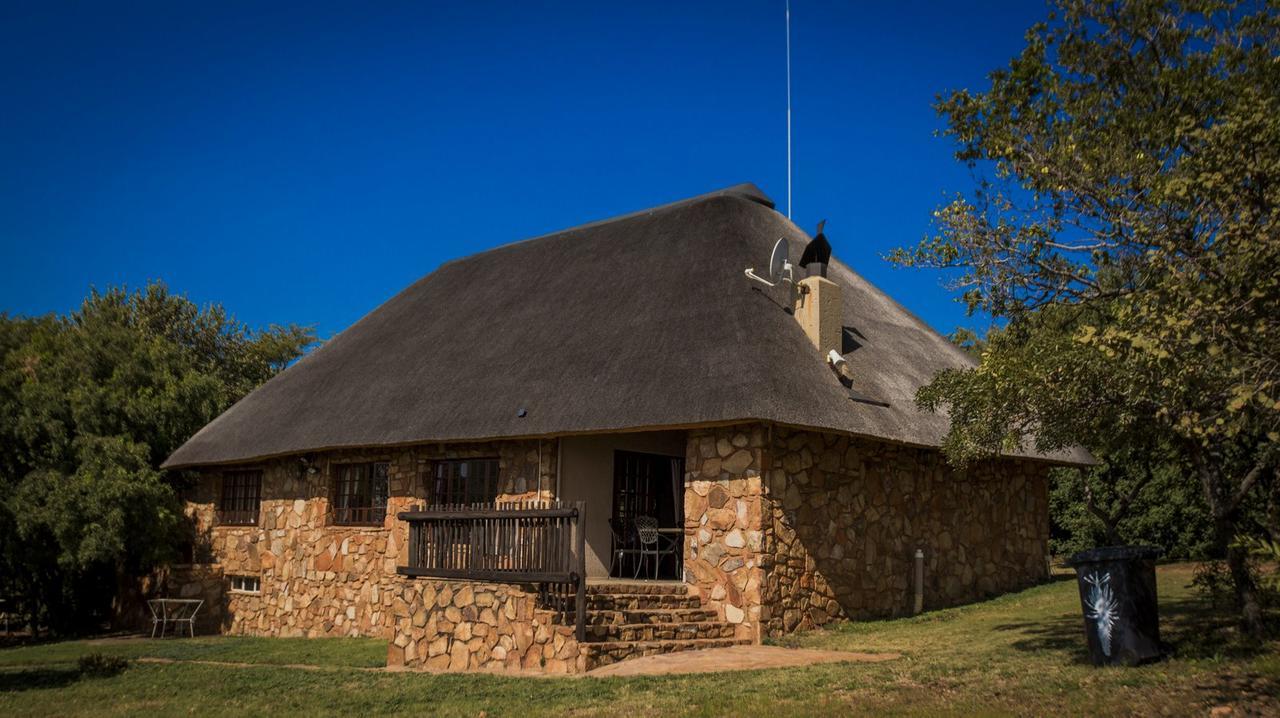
[653, 545]
[624, 543]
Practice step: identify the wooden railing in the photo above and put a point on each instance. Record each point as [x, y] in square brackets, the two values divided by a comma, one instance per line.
[524, 542]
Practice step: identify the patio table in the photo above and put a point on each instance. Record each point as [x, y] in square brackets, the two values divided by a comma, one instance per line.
[176, 611]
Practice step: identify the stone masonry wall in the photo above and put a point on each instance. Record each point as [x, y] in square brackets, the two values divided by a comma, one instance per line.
[317, 578]
[784, 530]
[844, 517]
[723, 502]
[475, 626]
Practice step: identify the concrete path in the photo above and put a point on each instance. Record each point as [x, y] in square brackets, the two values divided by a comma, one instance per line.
[735, 658]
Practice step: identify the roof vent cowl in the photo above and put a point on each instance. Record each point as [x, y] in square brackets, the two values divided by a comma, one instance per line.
[817, 254]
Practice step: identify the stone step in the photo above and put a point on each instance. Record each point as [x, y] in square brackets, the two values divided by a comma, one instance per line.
[634, 601]
[640, 632]
[650, 615]
[638, 587]
[634, 617]
[605, 653]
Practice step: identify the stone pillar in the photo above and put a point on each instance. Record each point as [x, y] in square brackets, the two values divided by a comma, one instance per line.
[724, 561]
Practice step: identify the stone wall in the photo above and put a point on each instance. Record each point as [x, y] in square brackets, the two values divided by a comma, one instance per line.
[844, 517]
[784, 530]
[317, 578]
[475, 626]
[723, 502]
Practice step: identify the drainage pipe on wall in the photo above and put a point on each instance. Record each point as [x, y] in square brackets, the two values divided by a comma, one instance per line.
[919, 605]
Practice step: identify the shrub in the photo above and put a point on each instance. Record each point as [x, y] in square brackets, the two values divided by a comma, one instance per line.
[1213, 580]
[1268, 554]
[101, 665]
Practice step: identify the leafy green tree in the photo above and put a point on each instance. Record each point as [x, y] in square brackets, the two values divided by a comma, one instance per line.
[1129, 504]
[1126, 227]
[90, 405]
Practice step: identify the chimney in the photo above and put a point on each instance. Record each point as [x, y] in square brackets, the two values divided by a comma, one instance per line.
[818, 305]
[818, 308]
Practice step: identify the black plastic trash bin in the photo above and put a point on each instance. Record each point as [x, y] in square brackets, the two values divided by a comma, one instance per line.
[1118, 595]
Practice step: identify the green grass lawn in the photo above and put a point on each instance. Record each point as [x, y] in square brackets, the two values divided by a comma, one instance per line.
[330, 652]
[1019, 654]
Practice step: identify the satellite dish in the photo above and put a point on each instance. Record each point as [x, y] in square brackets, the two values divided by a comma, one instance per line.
[779, 266]
[778, 260]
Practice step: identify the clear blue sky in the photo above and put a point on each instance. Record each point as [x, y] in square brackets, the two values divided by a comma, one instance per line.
[303, 164]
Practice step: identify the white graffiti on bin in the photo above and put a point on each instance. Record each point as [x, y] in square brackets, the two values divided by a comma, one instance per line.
[1102, 608]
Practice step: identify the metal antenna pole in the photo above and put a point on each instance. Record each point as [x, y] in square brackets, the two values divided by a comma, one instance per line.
[788, 109]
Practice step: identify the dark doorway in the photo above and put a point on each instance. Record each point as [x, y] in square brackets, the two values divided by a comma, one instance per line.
[647, 485]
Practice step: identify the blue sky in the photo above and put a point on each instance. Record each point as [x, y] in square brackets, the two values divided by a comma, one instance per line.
[304, 163]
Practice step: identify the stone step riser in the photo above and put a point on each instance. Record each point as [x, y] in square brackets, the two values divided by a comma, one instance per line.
[631, 602]
[613, 589]
[638, 616]
[659, 632]
[603, 654]
[652, 615]
[632, 620]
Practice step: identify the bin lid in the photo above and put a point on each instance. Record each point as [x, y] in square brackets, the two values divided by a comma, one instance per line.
[1115, 553]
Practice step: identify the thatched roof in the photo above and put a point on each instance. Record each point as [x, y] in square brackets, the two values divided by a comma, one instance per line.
[642, 321]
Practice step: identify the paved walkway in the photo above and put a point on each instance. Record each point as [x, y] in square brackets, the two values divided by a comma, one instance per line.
[735, 658]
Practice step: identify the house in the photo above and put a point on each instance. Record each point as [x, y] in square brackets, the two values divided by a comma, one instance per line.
[578, 382]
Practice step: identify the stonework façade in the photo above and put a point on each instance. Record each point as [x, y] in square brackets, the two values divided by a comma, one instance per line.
[318, 578]
[475, 626]
[783, 530]
[844, 517]
[789, 529]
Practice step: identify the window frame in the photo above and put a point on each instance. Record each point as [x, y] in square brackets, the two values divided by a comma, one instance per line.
[364, 488]
[240, 514]
[450, 477]
[243, 580]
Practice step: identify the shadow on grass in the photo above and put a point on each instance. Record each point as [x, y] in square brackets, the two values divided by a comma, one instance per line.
[1189, 629]
[1192, 629]
[26, 640]
[37, 678]
[1260, 692]
[1060, 634]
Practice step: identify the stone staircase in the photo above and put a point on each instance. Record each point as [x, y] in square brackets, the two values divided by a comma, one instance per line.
[633, 619]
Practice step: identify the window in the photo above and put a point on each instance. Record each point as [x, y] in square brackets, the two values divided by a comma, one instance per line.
[241, 495]
[245, 584]
[465, 481]
[360, 494]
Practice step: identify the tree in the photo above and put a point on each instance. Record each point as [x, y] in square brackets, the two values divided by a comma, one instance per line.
[1118, 503]
[90, 405]
[1126, 217]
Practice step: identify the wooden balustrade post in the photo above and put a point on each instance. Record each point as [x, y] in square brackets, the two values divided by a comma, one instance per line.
[580, 561]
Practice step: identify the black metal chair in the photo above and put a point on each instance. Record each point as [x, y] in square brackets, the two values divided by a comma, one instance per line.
[653, 545]
[624, 543]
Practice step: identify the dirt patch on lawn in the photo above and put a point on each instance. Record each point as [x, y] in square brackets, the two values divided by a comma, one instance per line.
[735, 658]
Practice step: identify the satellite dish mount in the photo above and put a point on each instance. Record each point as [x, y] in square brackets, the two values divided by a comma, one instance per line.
[780, 268]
